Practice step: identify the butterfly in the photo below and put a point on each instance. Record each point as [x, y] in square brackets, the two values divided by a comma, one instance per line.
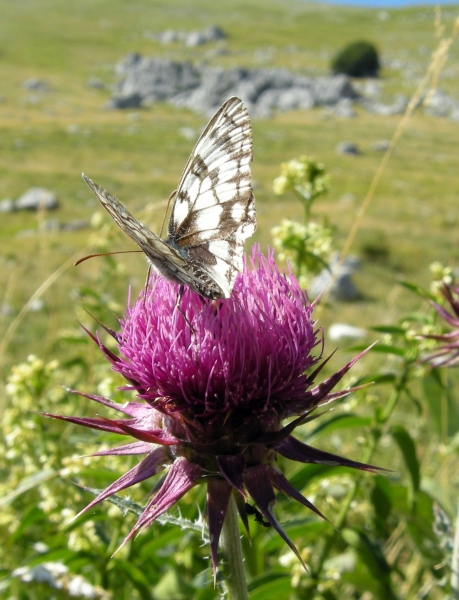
[213, 210]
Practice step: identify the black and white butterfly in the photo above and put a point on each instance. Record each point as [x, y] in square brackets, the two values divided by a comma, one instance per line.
[213, 210]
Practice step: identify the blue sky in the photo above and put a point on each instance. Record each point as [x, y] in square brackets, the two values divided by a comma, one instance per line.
[392, 3]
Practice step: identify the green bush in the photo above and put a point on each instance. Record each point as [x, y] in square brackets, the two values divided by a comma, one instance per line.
[358, 59]
[374, 245]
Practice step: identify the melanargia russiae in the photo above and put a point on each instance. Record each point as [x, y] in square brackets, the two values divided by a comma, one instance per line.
[213, 210]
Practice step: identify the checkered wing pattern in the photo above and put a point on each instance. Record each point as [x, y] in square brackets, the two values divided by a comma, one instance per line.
[213, 212]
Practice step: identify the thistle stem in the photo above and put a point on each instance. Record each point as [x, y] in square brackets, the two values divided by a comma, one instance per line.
[455, 562]
[230, 544]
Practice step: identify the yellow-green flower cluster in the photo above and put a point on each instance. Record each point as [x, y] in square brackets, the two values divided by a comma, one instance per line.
[37, 457]
[306, 247]
[440, 276]
[304, 176]
[29, 379]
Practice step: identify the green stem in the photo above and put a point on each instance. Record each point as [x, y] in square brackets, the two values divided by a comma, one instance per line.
[455, 562]
[306, 201]
[230, 544]
[378, 429]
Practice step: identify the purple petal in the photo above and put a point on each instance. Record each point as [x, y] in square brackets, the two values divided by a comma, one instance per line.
[258, 484]
[445, 314]
[114, 334]
[111, 357]
[232, 469]
[240, 503]
[273, 438]
[319, 394]
[311, 377]
[132, 409]
[127, 449]
[284, 485]
[295, 450]
[157, 436]
[86, 330]
[182, 476]
[101, 424]
[218, 495]
[149, 466]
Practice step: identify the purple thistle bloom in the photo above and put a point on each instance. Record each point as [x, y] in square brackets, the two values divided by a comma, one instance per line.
[447, 354]
[215, 380]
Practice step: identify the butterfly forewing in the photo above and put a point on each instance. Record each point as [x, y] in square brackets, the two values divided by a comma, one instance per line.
[154, 247]
[213, 212]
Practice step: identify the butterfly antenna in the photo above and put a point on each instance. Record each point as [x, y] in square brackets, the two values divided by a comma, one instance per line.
[78, 262]
[167, 210]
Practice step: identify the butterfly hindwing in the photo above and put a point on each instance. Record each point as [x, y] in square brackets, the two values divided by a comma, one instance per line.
[214, 209]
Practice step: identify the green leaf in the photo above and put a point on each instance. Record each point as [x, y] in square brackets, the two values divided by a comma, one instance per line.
[345, 421]
[311, 472]
[66, 556]
[377, 378]
[372, 556]
[388, 349]
[135, 575]
[443, 406]
[29, 483]
[172, 586]
[207, 592]
[308, 473]
[268, 586]
[380, 498]
[173, 535]
[418, 517]
[307, 530]
[391, 329]
[32, 516]
[419, 318]
[408, 450]
[417, 290]
[434, 393]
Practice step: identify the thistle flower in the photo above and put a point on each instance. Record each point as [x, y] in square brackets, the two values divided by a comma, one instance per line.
[447, 355]
[215, 380]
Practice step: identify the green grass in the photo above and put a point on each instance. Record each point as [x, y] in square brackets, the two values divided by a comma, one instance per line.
[139, 155]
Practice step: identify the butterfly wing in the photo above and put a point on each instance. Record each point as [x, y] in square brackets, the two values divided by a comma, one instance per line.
[166, 260]
[214, 208]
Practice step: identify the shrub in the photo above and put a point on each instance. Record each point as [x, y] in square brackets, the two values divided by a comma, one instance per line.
[374, 245]
[358, 59]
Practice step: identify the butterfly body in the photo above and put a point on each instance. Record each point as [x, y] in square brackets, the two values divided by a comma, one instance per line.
[213, 210]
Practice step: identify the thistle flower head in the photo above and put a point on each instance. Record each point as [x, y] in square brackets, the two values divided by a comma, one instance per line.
[215, 380]
[447, 354]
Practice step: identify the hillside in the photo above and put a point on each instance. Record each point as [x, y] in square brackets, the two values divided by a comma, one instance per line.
[47, 138]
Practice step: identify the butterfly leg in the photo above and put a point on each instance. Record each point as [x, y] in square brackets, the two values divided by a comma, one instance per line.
[146, 284]
[177, 306]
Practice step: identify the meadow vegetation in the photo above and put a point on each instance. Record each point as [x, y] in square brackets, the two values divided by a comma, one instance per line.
[48, 138]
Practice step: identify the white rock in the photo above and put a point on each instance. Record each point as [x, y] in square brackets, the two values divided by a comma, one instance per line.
[339, 332]
[37, 198]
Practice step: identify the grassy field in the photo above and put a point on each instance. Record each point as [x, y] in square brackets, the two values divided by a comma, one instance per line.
[48, 139]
